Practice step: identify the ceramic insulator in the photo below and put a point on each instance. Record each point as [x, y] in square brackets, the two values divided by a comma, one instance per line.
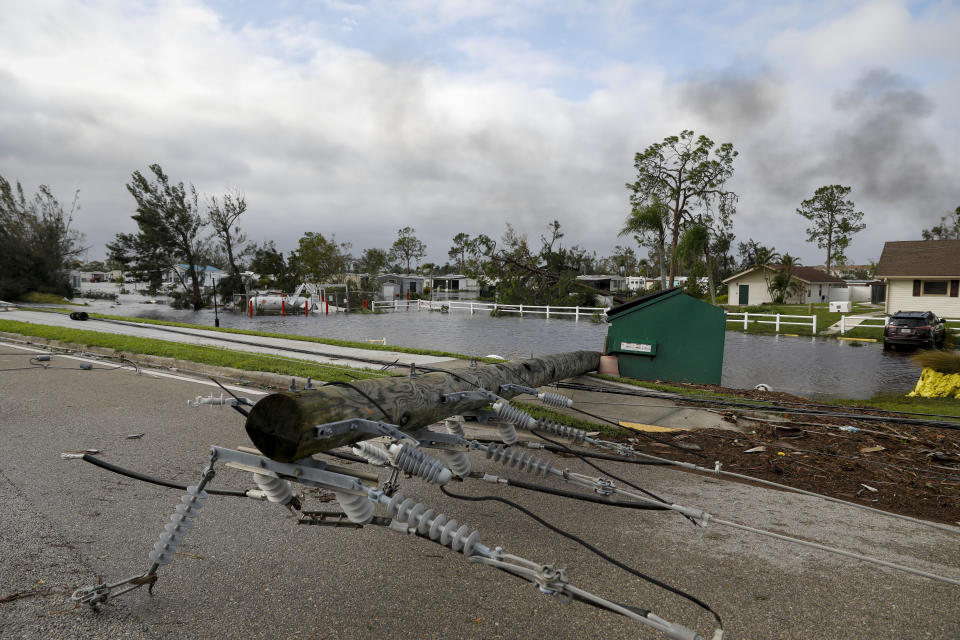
[577, 435]
[417, 463]
[435, 526]
[359, 509]
[372, 453]
[555, 399]
[172, 536]
[518, 459]
[277, 490]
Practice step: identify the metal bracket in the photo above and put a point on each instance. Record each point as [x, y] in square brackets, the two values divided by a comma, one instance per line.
[307, 472]
[435, 440]
[516, 388]
[476, 395]
[361, 425]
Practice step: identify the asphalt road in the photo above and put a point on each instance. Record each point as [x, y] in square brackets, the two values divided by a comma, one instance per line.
[247, 570]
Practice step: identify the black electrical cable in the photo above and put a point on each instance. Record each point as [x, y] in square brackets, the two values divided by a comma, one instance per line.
[588, 546]
[585, 497]
[867, 417]
[591, 454]
[605, 472]
[237, 406]
[136, 475]
[364, 394]
[346, 456]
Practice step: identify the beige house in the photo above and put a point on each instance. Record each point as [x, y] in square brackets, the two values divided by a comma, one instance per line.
[750, 287]
[922, 275]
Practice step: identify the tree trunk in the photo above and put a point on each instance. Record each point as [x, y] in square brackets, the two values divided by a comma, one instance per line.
[660, 257]
[710, 281]
[282, 425]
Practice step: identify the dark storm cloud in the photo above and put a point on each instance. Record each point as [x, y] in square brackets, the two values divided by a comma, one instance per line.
[735, 99]
[885, 149]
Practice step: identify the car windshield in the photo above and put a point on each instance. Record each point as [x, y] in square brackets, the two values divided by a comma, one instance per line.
[907, 322]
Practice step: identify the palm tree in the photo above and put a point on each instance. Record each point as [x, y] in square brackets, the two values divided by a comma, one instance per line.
[650, 223]
[783, 285]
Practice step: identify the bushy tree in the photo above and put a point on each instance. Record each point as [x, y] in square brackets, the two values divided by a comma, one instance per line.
[834, 219]
[322, 260]
[648, 224]
[407, 248]
[36, 242]
[224, 215]
[689, 176]
[948, 229]
[170, 232]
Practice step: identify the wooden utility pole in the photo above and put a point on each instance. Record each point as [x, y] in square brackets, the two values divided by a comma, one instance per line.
[282, 425]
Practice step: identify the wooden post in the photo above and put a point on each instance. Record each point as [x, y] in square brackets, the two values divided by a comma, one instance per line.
[282, 425]
[778, 323]
[746, 314]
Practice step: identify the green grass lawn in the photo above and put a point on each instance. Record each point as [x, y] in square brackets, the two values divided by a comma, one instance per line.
[285, 336]
[35, 297]
[895, 402]
[194, 353]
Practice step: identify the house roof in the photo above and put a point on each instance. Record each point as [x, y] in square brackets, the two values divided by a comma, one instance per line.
[643, 301]
[920, 258]
[810, 275]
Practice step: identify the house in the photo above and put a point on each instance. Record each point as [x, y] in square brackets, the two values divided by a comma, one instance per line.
[922, 275]
[604, 283]
[750, 287]
[398, 285]
[452, 282]
[206, 274]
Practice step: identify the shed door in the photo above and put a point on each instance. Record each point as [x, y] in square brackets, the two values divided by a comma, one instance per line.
[744, 293]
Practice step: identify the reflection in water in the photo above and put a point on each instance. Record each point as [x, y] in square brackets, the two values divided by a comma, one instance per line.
[804, 366]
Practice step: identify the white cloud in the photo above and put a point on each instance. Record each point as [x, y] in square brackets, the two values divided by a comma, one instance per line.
[328, 138]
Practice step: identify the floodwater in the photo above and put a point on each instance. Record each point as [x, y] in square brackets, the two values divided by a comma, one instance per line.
[812, 367]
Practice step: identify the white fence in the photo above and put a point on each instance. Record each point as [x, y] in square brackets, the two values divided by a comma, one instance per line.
[746, 318]
[883, 321]
[474, 306]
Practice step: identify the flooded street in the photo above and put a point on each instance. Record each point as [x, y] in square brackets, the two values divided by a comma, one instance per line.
[812, 367]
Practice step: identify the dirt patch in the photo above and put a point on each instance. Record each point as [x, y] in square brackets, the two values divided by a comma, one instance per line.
[905, 469]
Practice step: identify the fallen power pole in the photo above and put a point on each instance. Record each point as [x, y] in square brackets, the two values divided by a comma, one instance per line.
[283, 426]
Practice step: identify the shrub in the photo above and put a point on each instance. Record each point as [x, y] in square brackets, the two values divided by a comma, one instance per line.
[941, 361]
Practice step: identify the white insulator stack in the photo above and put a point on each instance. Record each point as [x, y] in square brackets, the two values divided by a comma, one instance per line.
[172, 537]
[518, 459]
[454, 427]
[436, 526]
[358, 508]
[555, 400]
[458, 462]
[509, 413]
[417, 463]
[508, 432]
[276, 490]
[372, 453]
[562, 430]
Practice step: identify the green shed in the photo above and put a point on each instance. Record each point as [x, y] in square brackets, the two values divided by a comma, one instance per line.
[668, 335]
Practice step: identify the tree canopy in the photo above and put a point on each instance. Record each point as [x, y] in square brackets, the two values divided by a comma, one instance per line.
[36, 242]
[834, 219]
[948, 229]
[407, 248]
[688, 175]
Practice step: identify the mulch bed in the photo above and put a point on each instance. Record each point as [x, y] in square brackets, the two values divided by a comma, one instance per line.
[906, 469]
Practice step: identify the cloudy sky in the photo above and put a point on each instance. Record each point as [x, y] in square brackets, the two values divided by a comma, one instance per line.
[356, 119]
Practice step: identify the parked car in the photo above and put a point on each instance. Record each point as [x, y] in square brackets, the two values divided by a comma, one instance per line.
[915, 329]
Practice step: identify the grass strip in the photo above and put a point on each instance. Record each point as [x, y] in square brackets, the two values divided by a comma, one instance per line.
[895, 402]
[214, 356]
[549, 414]
[286, 336]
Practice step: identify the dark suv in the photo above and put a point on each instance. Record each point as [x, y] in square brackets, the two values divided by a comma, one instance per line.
[915, 329]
